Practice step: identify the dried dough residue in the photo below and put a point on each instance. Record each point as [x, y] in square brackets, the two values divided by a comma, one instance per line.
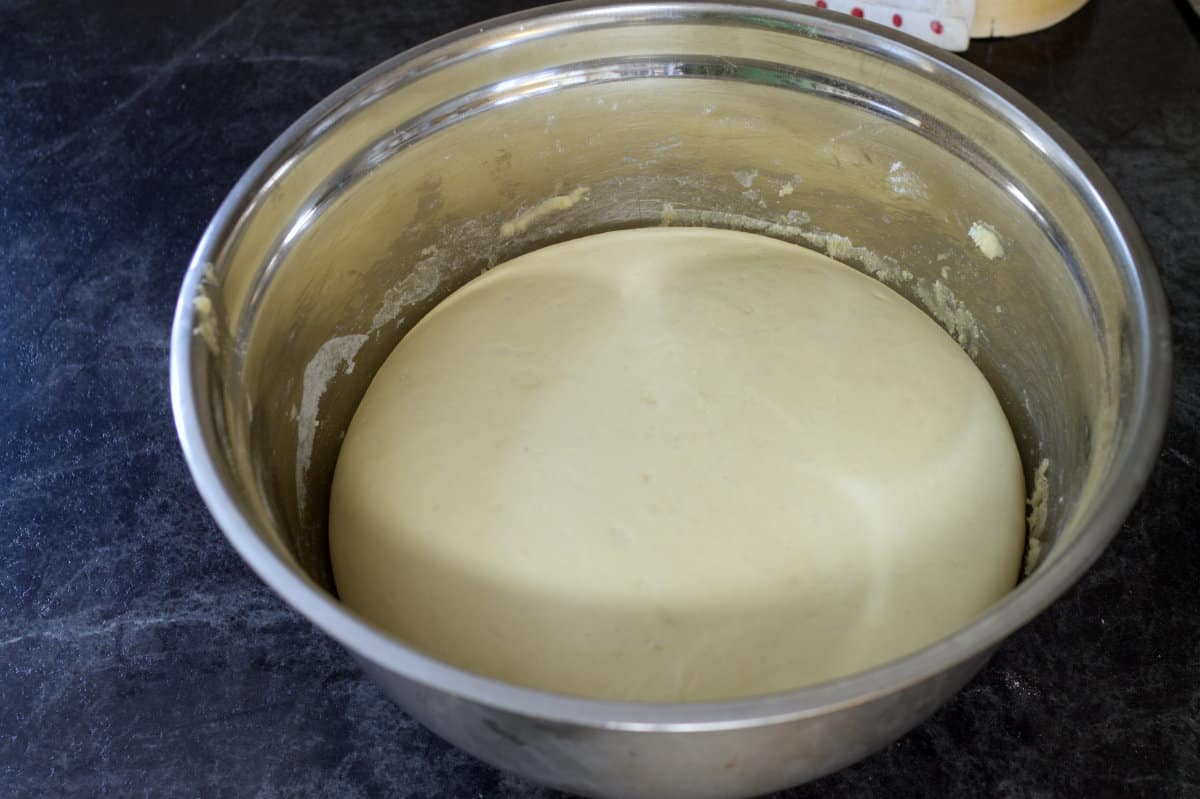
[206, 321]
[788, 228]
[335, 356]
[841, 248]
[952, 313]
[414, 287]
[745, 177]
[553, 205]
[905, 182]
[205, 313]
[987, 240]
[1036, 520]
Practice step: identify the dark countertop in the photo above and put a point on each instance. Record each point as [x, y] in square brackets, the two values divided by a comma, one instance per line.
[140, 657]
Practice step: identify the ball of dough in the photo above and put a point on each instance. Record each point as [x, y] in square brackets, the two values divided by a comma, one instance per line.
[675, 464]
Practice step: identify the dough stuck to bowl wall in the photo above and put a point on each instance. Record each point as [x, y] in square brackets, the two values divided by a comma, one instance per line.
[671, 464]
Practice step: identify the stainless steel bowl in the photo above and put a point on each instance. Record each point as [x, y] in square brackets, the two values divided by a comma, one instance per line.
[798, 124]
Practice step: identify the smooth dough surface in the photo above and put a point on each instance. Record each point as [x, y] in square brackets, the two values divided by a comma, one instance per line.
[675, 464]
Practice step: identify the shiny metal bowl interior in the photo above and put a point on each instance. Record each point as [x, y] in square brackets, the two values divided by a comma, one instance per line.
[797, 124]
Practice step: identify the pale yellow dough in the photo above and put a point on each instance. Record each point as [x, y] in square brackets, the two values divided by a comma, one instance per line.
[675, 464]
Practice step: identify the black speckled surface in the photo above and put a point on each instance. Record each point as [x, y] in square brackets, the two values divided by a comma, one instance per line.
[139, 657]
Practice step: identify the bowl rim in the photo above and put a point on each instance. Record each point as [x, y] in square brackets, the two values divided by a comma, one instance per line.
[1142, 437]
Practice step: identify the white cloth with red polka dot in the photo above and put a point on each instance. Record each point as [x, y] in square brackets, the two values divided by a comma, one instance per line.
[946, 23]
